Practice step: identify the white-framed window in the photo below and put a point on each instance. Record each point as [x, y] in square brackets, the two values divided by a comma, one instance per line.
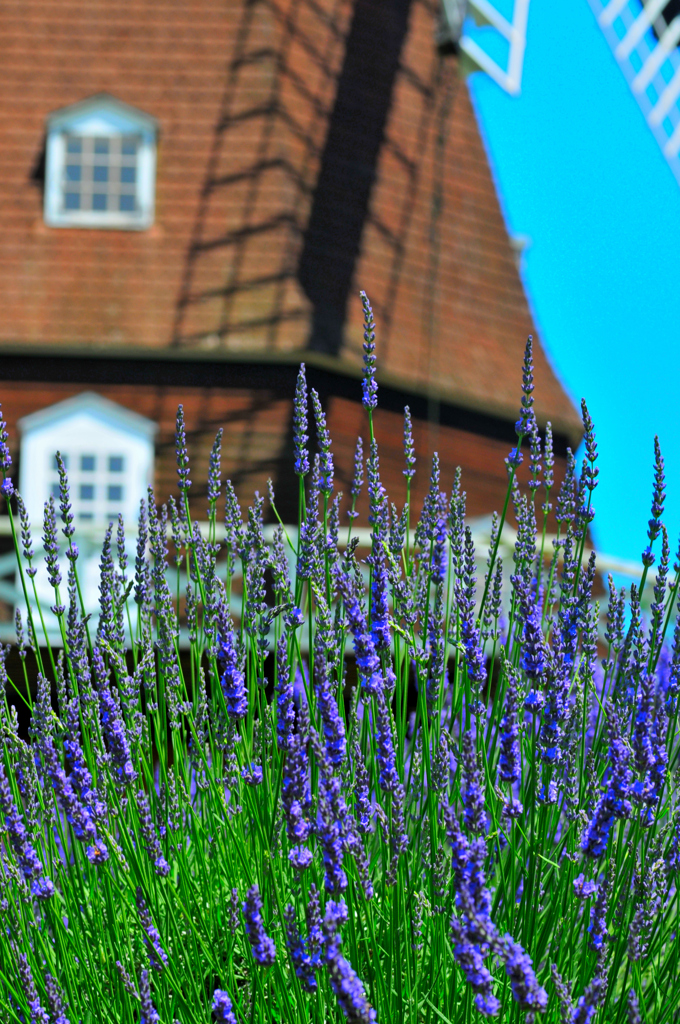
[108, 452]
[100, 169]
[99, 490]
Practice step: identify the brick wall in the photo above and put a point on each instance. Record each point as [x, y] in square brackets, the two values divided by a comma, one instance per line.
[257, 442]
[264, 231]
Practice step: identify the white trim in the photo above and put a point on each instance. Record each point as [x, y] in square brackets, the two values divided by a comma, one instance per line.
[89, 401]
[100, 116]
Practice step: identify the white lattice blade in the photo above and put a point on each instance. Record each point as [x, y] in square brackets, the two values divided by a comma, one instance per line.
[646, 44]
[481, 61]
[671, 148]
[491, 17]
[666, 100]
[516, 62]
[659, 54]
[510, 78]
[611, 12]
[644, 20]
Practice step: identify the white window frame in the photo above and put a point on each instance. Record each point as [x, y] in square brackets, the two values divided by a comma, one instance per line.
[100, 509]
[100, 116]
[87, 424]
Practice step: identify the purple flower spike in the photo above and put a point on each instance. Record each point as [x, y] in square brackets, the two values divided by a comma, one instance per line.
[534, 655]
[634, 1016]
[599, 933]
[590, 472]
[55, 1000]
[324, 441]
[252, 774]
[38, 1013]
[304, 963]
[409, 447]
[514, 459]
[358, 478]
[50, 543]
[583, 888]
[523, 982]
[614, 802]
[586, 1007]
[658, 501]
[214, 475]
[509, 769]
[473, 794]
[295, 792]
[386, 757]
[77, 814]
[327, 703]
[329, 831]
[222, 1007]
[149, 1014]
[300, 436]
[152, 940]
[148, 830]
[64, 499]
[5, 457]
[527, 415]
[345, 982]
[469, 630]
[300, 857]
[29, 862]
[285, 710]
[367, 661]
[369, 387]
[181, 451]
[232, 679]
[264, 949]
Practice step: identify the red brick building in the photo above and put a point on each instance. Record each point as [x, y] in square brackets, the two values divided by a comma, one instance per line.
[294, 151]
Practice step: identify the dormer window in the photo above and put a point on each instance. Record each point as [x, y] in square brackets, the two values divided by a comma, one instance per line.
[100, 166]
[107, 451]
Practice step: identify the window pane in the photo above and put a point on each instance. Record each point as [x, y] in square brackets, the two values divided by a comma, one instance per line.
[127, 175]
[55, 490]
[71, 201]
[87, 492]
[73, 172]
[101, 145]
[88, 463]
[116, 463]
[115, 492]
[99, 200]
[74, 146]
[127, 204]
[100, 173]
[129, 147]
[85, 515]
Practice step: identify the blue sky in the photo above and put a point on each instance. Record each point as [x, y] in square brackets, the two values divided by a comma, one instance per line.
[579, 172]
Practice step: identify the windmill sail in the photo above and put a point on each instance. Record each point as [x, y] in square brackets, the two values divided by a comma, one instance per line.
[490, 37]
[644, 36]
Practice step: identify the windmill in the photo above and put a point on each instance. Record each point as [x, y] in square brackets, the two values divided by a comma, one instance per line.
[643, 35]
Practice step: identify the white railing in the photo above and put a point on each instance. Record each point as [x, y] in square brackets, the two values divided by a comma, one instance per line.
[90, 539]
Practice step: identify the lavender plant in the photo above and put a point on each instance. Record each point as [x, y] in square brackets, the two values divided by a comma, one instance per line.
[485, 825]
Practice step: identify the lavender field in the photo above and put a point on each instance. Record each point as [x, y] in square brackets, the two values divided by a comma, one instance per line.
[370, 787]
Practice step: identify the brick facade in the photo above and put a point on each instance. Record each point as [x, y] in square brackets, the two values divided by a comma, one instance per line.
[307, 148]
